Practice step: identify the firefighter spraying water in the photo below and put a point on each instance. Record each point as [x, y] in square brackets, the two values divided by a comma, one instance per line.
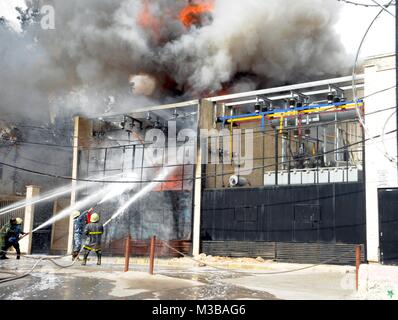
[93, 232]
[79, 222]
[11, 234]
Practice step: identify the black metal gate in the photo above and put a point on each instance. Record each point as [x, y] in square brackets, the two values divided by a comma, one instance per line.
[388, 221]
[41, 239]
[306, 222]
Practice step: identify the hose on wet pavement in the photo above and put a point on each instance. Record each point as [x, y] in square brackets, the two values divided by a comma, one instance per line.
[39, 259]
[20, 276]
[251, 273]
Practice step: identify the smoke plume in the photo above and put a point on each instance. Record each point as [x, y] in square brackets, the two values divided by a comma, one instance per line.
[174, 49]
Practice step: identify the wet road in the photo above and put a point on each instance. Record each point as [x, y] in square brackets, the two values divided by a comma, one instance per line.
[107, 282]
[213, 288]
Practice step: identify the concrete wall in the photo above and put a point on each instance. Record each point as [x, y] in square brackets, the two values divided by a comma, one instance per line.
[380, 170]
[32, 152]
[7, 185]
[60, 230]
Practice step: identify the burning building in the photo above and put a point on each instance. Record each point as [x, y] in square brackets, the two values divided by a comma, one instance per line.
[302, 198]
[132, 77]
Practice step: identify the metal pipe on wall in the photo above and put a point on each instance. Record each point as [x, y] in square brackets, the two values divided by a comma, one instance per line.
[276, 156]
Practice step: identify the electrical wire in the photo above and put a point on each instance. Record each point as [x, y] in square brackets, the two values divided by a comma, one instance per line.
[186, 179]
[132, 145]
[262, 273]
[384, 130]
[58, 146]
[143, 181]
[354, 88]
[362, 4]
[97, 148]
[154, 167]
[383, 7]
[43, 163]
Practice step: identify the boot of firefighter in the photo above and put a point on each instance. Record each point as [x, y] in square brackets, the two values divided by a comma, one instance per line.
[75, 255]
[85, 258]
[99, 258]
[3, 254]
[18, 252]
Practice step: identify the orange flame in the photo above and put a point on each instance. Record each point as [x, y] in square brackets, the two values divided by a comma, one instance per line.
[191, 14]
[147, 20]
[223, 92]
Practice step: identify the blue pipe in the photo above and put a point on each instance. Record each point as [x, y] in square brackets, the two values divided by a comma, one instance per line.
[263, 114]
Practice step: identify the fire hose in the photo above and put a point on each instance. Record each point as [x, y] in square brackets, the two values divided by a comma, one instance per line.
[251, 273]
[16, 277]
[39, 260]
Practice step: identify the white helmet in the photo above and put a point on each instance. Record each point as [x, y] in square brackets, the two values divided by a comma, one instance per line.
[75, 214]
[19, 221]
[94, 217]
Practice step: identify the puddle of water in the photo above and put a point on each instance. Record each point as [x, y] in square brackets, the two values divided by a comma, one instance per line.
[42, 286]
[102, 283]
[213, 288]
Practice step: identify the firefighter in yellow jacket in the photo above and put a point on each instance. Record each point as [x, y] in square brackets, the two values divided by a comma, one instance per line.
[93, 232]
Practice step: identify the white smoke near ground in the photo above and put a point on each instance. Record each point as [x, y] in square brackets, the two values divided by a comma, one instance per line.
[99, 45]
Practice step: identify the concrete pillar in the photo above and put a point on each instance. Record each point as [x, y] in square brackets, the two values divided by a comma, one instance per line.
[75, 165]
[26, 242]
[205, 121]
[380, 171]
[81, 138]
[197, 206]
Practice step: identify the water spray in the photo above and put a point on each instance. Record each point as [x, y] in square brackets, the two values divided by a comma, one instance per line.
[99, 197]
[49, 195]
[161, 176]
[109, 193]
[77, 206]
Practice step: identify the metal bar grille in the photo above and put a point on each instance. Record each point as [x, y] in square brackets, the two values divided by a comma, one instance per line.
[5, 218]
[285, 251]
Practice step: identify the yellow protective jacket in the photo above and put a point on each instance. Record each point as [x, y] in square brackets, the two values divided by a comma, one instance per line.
[93, 232]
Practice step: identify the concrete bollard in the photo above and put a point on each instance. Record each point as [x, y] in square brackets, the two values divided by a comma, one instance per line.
[152, 254]
[127, 253]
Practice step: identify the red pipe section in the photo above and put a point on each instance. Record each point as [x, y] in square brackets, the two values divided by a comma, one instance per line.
[127, 253]
[152, 255]
[357, 264]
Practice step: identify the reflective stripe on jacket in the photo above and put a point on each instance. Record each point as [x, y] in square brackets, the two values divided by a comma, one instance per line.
[94, 233]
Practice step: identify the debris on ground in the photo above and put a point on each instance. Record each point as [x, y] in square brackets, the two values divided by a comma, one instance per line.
[203, 259]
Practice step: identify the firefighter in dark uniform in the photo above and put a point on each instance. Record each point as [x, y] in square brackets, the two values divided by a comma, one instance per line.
[12, 232]
[93, 232]
[79, 223]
